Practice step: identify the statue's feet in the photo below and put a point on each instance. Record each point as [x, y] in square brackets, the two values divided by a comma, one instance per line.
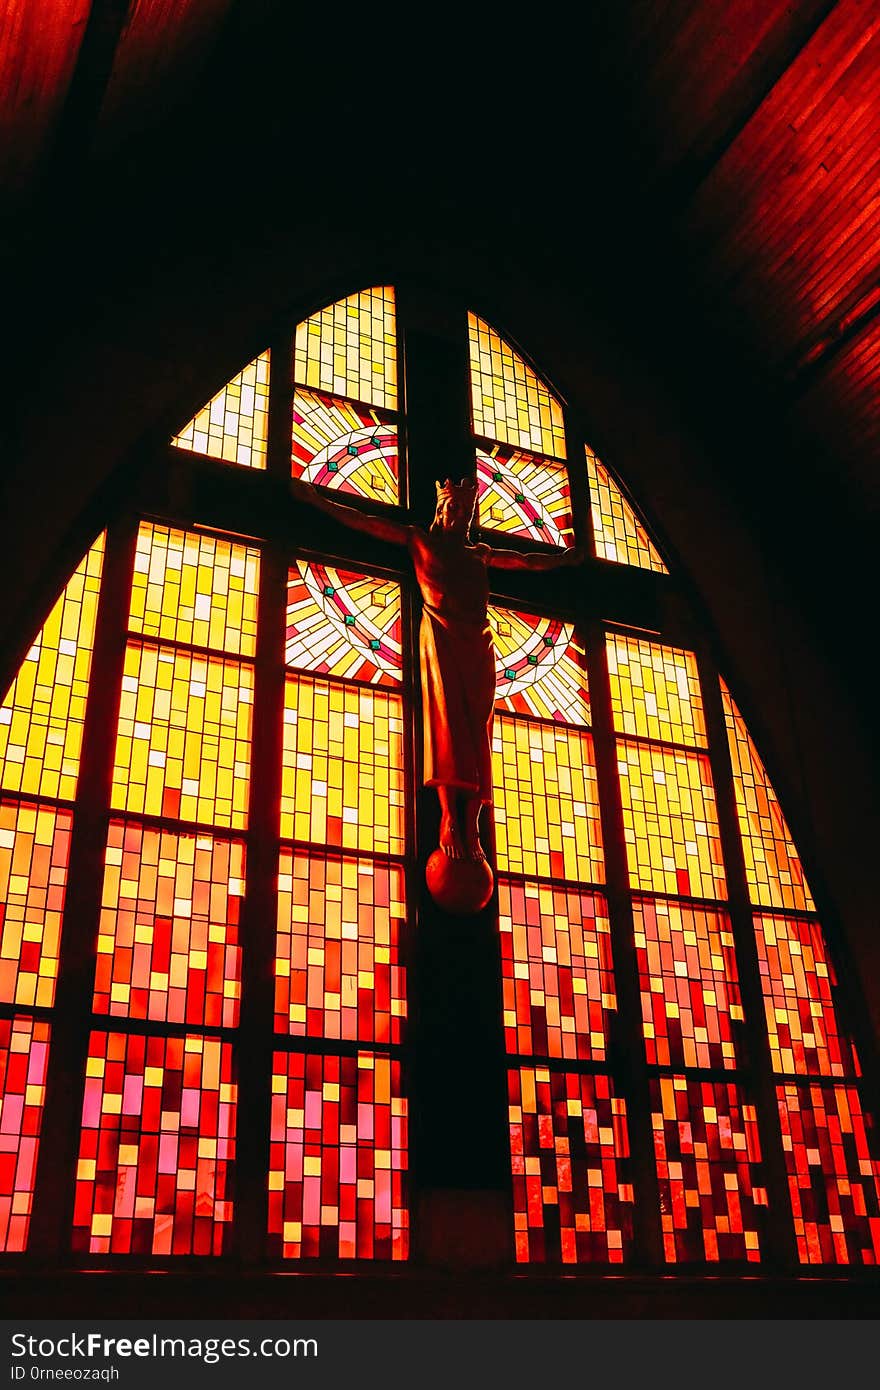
[474, 848]
[450, 838]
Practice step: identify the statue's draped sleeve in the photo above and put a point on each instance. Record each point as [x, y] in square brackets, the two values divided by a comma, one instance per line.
[457, 661]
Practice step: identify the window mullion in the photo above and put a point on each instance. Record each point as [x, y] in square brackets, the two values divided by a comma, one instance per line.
[781, 1249]
[51, 1226]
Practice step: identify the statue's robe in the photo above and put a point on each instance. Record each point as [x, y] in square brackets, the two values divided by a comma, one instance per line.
[457, 662]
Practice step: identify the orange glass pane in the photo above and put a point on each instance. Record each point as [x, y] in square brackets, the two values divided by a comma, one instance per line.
[41, 719]
[801, 1019]
[157, 1146]
[509, 402]
[670, 821]
[183, 746]
[833, 1174]
[524, 495]
[234, 424]
[343, 624]
[195, 589]
[24, 1054]
[546, 802]
[539, 667]
[338, 972]
[655, 691]
[342, 777]
[350, 348]
[689, 984]
[556, 969]
[338, 1158]
[572, 1188]
[34, 849]
[708, 1165]
[773, 869]
[343, 446]
[618, 534]
[168, 942]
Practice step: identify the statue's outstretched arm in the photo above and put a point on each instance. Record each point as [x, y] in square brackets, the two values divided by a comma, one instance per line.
[382, 528]
[534, 560]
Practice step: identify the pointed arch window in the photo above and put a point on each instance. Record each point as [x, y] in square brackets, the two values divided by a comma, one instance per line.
[210, 849]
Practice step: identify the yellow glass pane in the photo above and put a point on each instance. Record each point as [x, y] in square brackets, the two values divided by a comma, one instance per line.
[670, 821]
[655, 691]
[184, 740]
[342, 778]
[343, 446]
[233, 425]
[546, 802]
[34, 848]
[41, 719]
[509, 402]
[539, 667]
[195, 589]
[350, 348]
[617, 531]
[524, 495]
[773, 869]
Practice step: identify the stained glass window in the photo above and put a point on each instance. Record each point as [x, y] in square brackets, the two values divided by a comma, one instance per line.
[509, 402]
[773, 868]
[670, 821]
[350, 348]
[708, 1160]
[168, 944]
[572, 1188]
[655, 691]
[41, 718]
[343, 624]
[557, 971]
[539, 667]
[195, 588]
[34, 850]
[343, 445]
[688, 975]
[338, 1157]
[24, 1049]
[234, 424]
[524, 495]
[797, 978]
[158, 1140]
[833, 1174]
[617, 532]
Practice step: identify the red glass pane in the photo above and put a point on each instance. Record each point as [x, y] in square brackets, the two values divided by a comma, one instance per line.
[24, 1053]
[797, 978]
[34, 847]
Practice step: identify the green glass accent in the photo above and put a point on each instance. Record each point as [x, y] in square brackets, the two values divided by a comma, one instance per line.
[329, 590]
[375, 644]
[540, 524]
[510, 675]
[519, 497]
[333, 467]
[350, 620]
[352, 451]
[548, 641]
[497, 477]
[532, 660]
[376, 441]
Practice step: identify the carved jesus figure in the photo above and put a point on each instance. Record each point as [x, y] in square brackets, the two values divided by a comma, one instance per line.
[457, 656]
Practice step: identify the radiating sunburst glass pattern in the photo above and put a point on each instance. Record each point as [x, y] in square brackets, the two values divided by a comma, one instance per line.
[34, 851]
[343, 624]
[670, 821]
[509, 402]
[350, 348]
[338, 444]
[41, 718]
[688, 976]
[655, 691]
[773, 868]
[833, 1174]
[524, 495]
[546, 802]
[342, 778]
[183, 746]
[708, 1163]
[24, 1053]
[168, 943]
[338, 1158]
[572, 1190]
[195, 588]
[157, 1146]
[801, 1019]
[556, 969]
[338, 972]
[617, 532]
[539, 667]
[234, 424]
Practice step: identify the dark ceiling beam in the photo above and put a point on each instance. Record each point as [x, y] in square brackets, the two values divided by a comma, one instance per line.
[679, 184]
[85, 97]
[862, 308]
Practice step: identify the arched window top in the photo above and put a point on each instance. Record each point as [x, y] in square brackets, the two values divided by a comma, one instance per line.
[234, 423]
[510, 404]
[350, 348]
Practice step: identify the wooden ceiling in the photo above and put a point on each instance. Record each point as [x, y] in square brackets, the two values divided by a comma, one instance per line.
[750, 129]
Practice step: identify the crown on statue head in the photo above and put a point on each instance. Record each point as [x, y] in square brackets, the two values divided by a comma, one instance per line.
[465, 491]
